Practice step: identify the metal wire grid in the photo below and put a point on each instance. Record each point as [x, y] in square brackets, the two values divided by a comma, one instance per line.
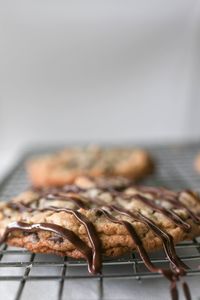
[29, 271]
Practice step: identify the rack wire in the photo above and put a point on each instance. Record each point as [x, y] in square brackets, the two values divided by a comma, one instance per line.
[28, 276]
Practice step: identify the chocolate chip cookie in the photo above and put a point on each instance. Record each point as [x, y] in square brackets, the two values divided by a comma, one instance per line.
[65, 166]
[103, 216]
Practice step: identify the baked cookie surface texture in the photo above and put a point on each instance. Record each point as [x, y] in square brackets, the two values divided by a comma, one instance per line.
[65, 166]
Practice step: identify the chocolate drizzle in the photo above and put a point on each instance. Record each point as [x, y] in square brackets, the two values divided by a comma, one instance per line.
[67, 197]
[171, 197]
[165, 237]
[95, 267]
[59, 230]
[93, 252]
[166, 212]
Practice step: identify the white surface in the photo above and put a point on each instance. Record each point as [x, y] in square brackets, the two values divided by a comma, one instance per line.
[98, 70]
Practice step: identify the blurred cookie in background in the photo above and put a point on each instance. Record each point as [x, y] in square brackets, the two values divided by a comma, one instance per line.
[65, 166]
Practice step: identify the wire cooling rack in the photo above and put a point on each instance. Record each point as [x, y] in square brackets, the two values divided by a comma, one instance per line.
[38, 276]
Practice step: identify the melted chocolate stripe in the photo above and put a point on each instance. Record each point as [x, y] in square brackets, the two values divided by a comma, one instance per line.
[163, 235]
[168, 245]
[65, 197]
[19, 206]
[172, 197]
[177, 203]
[166, 212]
[137, 241]
[92, 235]
[169, 274]
[159, 192]
[186, 291]
[49, 196]
[59, 230]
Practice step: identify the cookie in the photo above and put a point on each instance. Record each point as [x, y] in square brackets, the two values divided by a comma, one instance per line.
[98, 217]
[65, 166]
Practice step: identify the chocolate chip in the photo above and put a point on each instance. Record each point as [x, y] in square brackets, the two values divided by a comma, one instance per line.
[98, 213]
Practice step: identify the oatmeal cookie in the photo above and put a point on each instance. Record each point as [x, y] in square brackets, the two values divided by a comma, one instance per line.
[65, 166]
[90, 219]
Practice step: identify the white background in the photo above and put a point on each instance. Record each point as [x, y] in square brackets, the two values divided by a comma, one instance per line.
[98, 71]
